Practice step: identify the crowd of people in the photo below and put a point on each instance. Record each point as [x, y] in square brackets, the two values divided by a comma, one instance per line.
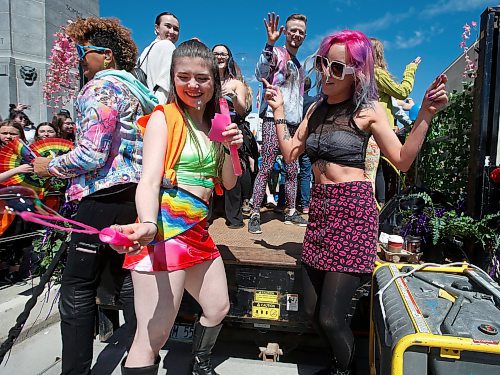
[144, 163]
[14, 256]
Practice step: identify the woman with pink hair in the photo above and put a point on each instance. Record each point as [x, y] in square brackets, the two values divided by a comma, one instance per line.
[341, 237]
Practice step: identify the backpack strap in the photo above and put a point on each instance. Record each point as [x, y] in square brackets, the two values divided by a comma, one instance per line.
[145, 57]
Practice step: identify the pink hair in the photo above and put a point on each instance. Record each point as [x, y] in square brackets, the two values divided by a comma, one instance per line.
[359, 53]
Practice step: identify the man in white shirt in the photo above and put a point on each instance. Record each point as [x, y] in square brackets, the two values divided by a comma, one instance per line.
[156, 58]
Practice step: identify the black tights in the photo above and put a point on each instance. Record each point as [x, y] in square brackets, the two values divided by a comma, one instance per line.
[327, 299]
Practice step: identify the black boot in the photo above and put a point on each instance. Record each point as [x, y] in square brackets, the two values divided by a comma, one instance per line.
[147, 370]
[203, 341]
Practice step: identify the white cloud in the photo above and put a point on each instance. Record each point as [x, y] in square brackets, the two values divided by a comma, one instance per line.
[453, 6]
[387, 20]
[413, 41]
[417, 38]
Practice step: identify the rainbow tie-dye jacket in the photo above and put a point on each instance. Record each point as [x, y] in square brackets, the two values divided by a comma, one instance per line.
[108, 148]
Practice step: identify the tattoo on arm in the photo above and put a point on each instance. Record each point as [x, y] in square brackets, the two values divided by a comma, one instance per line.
[286, 133]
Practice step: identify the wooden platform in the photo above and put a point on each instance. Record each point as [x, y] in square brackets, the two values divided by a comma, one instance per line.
[278, 245]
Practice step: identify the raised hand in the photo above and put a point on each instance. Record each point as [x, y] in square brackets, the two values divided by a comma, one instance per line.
[435, 97]
[273, 95]
[273, 29]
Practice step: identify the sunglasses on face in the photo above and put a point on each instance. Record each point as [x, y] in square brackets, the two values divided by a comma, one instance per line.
[83, 50]
[335, 69]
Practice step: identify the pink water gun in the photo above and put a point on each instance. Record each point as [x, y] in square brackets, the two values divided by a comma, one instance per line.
[106, 235]
[219, 123]
[24, 202]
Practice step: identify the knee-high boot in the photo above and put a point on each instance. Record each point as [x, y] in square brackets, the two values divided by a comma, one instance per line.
[146, 370]
[203, 341]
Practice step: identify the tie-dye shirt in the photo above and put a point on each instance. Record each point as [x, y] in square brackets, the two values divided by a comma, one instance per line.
[108, 148]
[280, 69]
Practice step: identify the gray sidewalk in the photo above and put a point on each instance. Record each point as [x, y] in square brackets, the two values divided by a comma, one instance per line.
[38, 349]
[40, 354]
[12, 301]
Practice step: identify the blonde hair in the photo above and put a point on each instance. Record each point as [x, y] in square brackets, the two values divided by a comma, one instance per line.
[378, 49]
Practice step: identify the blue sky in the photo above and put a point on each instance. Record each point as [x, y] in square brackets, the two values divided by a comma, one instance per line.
[430, 29]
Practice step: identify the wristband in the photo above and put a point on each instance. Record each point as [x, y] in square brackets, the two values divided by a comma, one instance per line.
[280, 121]
[151, 222]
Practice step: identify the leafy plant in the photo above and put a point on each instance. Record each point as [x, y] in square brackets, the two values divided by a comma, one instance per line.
[46, 248]
[439, 222]
[444, 158]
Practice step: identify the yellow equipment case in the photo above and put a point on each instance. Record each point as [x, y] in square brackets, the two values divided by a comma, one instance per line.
[437, 320]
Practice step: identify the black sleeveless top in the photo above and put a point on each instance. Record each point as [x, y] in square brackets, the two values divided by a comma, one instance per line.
[333, 135]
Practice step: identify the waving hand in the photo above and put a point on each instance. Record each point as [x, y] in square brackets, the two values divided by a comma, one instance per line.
[273, 29]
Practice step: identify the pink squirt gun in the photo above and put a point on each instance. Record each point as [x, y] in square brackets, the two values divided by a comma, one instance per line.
[106, 235]
[219, 123]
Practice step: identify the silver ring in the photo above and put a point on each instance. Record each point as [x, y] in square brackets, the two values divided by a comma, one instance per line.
[119, 228]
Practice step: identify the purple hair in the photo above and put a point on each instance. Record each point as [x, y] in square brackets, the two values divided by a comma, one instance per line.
[359, 54]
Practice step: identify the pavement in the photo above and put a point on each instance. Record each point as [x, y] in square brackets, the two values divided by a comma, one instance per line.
[40, 354]
[12, 301]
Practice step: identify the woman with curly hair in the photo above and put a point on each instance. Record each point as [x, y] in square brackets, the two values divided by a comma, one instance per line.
[104, 168]
[341, 238]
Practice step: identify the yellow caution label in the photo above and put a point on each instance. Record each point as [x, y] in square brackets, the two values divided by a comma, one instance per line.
[262, 310]
[265, 296]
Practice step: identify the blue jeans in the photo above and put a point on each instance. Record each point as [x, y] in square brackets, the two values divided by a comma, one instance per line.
[304, 177]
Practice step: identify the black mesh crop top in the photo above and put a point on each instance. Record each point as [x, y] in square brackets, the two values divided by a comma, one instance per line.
[333, 135]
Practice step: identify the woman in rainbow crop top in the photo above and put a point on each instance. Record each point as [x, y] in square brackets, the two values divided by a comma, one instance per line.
[180, 165]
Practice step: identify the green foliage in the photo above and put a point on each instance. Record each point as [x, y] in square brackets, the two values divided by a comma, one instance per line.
[46, 248]
[441, 222]
[445, 153]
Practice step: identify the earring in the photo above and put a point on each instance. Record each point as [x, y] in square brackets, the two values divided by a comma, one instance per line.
[105, 64]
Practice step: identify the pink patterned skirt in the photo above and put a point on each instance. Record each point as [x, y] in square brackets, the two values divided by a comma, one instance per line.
[342, 230]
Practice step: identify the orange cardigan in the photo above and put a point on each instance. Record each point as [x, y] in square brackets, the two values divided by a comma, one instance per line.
[177, 134]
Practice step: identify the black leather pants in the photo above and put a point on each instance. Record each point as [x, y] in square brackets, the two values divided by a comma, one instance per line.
[87, 260]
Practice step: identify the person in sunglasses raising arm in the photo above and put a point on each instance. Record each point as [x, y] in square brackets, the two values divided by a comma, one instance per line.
[341, 235]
